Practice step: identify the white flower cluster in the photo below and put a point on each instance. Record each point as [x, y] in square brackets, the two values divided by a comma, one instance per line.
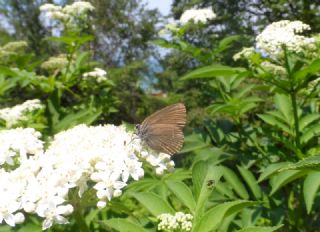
[197, 15]
[68, 15]
[285, 32]
[78, 8]
[55, 63]
[178, 222]
[103, 158]
[12, 49]
[98, 73]
[17, 146]
[12, 115]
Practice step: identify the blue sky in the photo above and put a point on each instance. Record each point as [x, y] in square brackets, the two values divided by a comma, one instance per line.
[162, 5]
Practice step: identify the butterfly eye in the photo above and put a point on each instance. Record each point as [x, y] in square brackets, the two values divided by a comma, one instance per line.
[137, 126]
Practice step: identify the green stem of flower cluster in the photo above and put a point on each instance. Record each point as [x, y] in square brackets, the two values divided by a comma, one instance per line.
[78, 213]
[296, 123]
[293, 96]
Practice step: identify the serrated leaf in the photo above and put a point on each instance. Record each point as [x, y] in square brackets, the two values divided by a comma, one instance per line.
[272, 169]
[313, 68]
[251, 181]
[214, 217]
[284, 178]
[307, 120]
[183, 193]
[312, 162]
[310, 188]
[153, 203]
[310, 133]
[274, 122]
[284, 105]
[235, 182]
[122, 225]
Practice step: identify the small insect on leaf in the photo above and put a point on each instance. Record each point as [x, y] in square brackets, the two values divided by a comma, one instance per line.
[210, 184]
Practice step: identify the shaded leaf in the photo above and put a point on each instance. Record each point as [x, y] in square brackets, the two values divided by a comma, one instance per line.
[310, 187]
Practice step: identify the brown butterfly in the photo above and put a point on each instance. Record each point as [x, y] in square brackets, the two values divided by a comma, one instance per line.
[162, 131]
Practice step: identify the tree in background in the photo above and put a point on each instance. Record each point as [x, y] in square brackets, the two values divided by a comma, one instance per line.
[122, 28]
[23, 19]
[122, 31]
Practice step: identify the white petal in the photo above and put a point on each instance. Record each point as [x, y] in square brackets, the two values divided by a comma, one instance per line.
[47, 223]
[19, 218]
[61, 220]
[9, 219]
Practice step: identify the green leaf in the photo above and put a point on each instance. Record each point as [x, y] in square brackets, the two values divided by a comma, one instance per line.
[194, 142]
[310, 187]
[86, 116]
[310, 133]
[235, 182]
[313, 68]
[284, 105]
[183, 193]
[153, 203]
[122, 225]
[214, 217]
[212, 71]
[312, 162]
[260, 229]
[226, 42]
[8, 71]
[307, 120]
[272, 169]
[284, 178]
[224, 189]
[274, 122]
[201, 174]
[251, 181]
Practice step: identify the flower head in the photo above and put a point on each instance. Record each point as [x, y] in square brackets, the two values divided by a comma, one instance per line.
[13, 115]
[105, 157]
[72, 16]
[287, 33]
[99, 74]
[180, 221]
[197, 15]
[55, 63]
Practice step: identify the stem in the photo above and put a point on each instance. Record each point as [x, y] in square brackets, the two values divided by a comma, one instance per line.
[259, 148]
[78, 212]
[293, 92]
[78, 215]
[296, 123]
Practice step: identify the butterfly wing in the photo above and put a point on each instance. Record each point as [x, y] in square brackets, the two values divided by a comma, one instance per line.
[174, 114]
[162, 131]
[165, 138]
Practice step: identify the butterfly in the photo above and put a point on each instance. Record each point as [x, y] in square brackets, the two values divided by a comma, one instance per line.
[162, 131]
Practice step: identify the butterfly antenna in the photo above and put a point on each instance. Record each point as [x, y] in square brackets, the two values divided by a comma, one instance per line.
[132, 139]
